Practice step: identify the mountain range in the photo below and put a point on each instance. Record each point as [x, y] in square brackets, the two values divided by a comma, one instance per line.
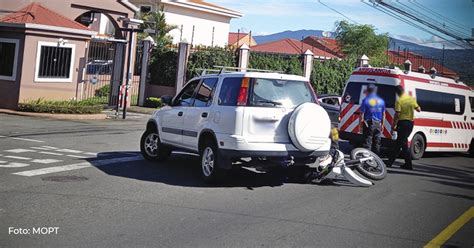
[459, 60]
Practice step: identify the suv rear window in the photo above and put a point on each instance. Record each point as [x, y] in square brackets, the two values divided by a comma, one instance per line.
[276, 92]
[229, 91]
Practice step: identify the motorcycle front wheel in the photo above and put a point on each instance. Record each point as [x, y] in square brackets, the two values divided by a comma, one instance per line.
[374, 169]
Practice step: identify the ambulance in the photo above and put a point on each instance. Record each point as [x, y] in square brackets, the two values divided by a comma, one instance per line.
[446, 120]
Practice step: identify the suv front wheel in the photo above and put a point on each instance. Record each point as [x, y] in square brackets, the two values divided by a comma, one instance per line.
[151, 147]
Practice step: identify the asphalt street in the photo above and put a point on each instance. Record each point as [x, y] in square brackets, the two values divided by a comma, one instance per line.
[87, 181]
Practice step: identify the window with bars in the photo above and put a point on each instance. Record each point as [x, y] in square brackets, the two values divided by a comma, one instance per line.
[54, 62]
[8, 58]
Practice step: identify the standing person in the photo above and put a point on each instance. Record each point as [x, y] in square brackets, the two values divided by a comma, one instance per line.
[372, 116]
[403, 125]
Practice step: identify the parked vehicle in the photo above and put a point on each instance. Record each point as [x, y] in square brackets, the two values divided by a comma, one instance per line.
[445, 124]
[330, 99]
[256, 118]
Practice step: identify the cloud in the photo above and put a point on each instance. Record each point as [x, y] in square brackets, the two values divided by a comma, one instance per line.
[433, 41]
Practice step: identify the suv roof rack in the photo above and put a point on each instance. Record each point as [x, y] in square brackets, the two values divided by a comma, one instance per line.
[228, 69]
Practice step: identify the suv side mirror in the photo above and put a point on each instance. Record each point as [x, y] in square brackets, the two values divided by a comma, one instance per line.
[167, 100]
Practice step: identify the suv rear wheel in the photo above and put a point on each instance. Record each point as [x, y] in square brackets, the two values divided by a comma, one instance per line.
[151, 147]
[211, 162]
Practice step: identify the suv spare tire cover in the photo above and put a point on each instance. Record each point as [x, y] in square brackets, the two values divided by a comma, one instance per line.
[309, 127]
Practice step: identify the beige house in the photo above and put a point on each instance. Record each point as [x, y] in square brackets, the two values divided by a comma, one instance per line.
[198, 22]
[43, 44]
[238, 39]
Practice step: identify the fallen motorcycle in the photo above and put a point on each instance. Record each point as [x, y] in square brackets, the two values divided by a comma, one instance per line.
[364, 161]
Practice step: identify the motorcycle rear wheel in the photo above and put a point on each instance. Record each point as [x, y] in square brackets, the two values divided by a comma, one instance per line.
[374, 169]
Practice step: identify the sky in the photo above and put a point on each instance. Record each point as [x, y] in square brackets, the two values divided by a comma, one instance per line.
[272, 16]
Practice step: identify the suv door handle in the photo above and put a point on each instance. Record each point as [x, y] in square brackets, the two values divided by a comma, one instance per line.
[204, 115]
[180, 113]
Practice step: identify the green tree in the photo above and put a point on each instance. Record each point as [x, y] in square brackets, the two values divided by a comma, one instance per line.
[156, 20]
[356, 40]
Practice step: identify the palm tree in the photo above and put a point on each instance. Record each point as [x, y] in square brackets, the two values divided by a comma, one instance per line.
[155, 20]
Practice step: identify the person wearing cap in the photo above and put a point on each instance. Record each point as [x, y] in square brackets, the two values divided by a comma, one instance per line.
[403, 125]
[371, 118]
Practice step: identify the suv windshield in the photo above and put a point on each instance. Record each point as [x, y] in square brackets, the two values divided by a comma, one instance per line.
[275, 93]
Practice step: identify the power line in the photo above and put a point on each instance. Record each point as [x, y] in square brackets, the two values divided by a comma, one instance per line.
[421, 6]
[431, 20]
[401, 18]
[338, 12]
[400, 12]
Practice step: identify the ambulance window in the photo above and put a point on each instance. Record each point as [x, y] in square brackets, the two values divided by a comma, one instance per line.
[471, 100]
[440, 102]
[353, 93]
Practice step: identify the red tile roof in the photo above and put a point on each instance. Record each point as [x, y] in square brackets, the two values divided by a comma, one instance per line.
[234, 37]
[418, 60]
[290, 46]
[37, 14]
[326, 44]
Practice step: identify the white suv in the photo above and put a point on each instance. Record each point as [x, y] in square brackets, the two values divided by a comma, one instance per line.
[238, 118]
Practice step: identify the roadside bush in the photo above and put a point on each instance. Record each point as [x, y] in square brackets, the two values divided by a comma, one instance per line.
[289, 64]
[60, 107]
[330, 76]
[162, 67]
[208, 57]
[103, 91]
[153, 102]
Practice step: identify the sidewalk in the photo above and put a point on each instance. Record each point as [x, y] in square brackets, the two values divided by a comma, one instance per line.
[101, 116]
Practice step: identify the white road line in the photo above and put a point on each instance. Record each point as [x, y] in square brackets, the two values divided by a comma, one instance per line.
[13, 165]
[19, 150]
[50, 147]
[69, 151]
[46, 161]
[77, 156]
[77, 166]
[3, 162]
[91, 153]
[17, 157]
[52, 153]
[24, 139]
[40, 148]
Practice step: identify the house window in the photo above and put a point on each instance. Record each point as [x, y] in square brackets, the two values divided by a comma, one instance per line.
[145, 9]
[54, 62]
[8, 58]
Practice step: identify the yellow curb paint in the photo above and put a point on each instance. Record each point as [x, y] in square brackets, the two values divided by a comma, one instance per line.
[450, 230]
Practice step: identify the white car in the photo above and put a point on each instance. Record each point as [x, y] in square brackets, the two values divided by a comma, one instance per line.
[236, 118]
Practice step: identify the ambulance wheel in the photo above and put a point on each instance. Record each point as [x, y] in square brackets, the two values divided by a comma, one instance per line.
[471, 149]
[418, 146]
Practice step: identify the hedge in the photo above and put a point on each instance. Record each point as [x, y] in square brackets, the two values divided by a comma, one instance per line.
[153, 102]
[163, 63]
[208, 57]
[289, 64]
[330, 76]
[61, 107]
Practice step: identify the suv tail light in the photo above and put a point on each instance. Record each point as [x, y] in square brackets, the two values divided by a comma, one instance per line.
[243, 92]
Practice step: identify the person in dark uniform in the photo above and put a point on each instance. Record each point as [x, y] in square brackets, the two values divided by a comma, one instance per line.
[405, 107]
[371, 119]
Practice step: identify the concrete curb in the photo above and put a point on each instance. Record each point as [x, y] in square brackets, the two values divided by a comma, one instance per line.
[56, 116]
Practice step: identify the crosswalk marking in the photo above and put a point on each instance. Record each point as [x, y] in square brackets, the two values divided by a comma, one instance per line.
[91, 153]
[77, 156]
[19, 150]
[40, 148]
[24, 139]
[18, 157]
[50, 147]
[77, 166]
[46, 161]
[3, 162]
[52, 153]
[13, 165]
[69, 151]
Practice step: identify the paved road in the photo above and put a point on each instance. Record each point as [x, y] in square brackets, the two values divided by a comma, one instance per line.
[87, 179]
